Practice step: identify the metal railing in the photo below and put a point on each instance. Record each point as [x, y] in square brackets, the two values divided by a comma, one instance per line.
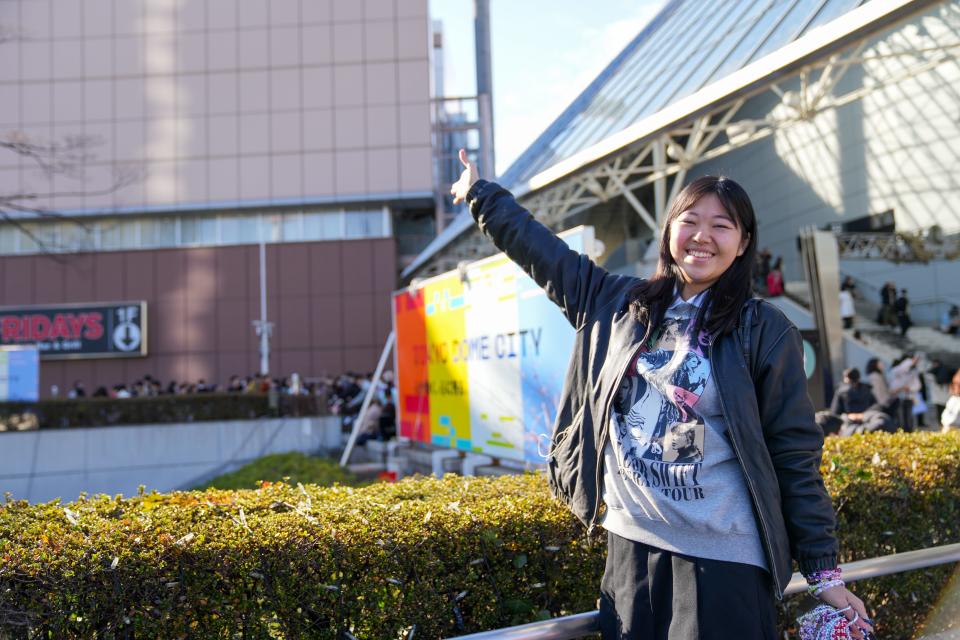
[897, 247]
[581, 624]
[924, 310]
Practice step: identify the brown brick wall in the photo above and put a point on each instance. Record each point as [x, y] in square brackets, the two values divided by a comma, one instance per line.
[330, 302]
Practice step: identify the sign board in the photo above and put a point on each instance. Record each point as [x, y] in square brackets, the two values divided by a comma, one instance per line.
[95, 330]
[19, 374]
[814, 367]
[481, 355]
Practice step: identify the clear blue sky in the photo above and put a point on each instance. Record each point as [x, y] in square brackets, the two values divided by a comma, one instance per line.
[544, 53]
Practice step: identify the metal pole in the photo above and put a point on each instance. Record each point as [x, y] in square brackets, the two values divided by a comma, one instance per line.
[481, 9]
[660, 184]
[821, 263]
[441, 137]
[263, 328]
[355, 432]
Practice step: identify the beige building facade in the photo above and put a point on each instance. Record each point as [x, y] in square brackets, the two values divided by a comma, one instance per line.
[207, 124]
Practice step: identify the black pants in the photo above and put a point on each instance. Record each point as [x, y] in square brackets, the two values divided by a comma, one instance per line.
[905, 418]
[651, 594]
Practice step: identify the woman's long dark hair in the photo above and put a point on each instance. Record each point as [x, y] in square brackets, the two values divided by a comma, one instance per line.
[726, 297]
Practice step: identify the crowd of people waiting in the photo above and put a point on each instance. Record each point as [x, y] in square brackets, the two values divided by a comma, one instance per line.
[148, 386]
[345, 395]
[898, 399]
[342, 394]
[894, 400]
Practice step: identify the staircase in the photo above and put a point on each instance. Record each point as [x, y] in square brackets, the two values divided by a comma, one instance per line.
[886, 341]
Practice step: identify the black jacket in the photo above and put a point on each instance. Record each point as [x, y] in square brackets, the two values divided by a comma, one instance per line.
[769, 415]
[853, 398]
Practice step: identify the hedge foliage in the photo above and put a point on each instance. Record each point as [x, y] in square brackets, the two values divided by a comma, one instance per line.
[431, 558]
[100, 412]
[894, 493]
[293, 468]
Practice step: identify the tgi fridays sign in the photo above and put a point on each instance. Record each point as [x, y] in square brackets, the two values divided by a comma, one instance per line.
[114, 330]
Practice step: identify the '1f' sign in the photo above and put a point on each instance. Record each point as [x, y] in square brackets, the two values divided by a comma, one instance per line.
[126, 333]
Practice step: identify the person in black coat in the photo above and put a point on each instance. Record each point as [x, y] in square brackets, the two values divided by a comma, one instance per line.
[902, 308]
[886, 314]
[856, 406]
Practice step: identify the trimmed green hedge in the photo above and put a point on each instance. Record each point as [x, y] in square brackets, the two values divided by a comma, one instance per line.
[293, 468]
[100, 412]
[894, 493]
[432, 557]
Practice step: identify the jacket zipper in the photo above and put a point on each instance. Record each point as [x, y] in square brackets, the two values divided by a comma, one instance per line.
[753, 492]
[604, 434]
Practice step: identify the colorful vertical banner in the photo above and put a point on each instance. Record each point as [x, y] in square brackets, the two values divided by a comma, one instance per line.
[413, 414]
[444, 313]
[480, 356]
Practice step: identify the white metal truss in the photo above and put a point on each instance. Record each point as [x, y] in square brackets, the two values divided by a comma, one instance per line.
[649, 172]
[663, 161]
[898, 247]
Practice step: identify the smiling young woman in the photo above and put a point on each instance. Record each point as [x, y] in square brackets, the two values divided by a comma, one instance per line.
[703, 468]
[708, 241]
[704, 242]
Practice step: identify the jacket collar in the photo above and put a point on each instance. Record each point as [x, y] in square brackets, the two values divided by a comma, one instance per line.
[692, 305]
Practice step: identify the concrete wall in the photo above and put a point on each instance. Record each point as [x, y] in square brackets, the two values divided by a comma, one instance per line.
[43, 465]
[329, 300]
[897, 148]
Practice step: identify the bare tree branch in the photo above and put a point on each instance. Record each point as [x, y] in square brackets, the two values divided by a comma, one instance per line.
[123, 177]
[44, 248]
[66, 157]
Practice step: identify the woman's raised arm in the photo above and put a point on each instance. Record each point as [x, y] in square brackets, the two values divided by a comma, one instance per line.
[572, 280]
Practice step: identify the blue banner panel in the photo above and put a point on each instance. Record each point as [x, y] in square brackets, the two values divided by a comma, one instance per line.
[19, 374]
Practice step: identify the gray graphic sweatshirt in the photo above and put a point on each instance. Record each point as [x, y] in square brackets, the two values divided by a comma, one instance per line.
[671, 479]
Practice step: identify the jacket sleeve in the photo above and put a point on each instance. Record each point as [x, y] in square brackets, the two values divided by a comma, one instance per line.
[795, 444]
[879, 387]
[571, 280]
[837, 407]
[951, 413]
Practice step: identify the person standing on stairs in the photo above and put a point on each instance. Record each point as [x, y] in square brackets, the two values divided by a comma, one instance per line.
[902, 308]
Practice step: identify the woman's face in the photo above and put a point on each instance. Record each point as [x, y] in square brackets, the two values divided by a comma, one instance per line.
[704, 242]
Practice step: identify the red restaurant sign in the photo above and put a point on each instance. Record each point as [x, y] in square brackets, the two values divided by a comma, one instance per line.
[114, 330]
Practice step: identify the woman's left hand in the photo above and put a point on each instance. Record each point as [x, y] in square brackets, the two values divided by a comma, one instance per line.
[841, 599]
[467, 178]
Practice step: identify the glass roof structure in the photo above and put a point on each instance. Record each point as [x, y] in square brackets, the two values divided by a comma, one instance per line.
[687, 46]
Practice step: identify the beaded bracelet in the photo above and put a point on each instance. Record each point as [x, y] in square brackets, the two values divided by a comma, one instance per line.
[816, 589]
[823, 623]
[823, 575]
[823, 579]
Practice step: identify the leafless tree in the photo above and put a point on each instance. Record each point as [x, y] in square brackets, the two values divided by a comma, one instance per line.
[66, 157]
